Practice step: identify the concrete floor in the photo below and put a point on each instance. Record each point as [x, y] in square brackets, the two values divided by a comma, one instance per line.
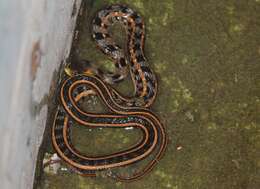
[206, 55]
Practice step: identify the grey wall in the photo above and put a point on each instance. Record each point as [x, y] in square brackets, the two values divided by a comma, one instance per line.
[34, 37]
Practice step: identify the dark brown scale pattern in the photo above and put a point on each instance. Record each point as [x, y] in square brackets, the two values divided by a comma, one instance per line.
[142, 75]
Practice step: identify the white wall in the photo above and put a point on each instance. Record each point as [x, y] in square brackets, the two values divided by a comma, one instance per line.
[35, 36]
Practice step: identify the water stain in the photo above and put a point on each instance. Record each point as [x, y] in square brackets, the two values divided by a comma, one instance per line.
[35, 58]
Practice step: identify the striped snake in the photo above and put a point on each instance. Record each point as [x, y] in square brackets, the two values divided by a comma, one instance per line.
[85, 80]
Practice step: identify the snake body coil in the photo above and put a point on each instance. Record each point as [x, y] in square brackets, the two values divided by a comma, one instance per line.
[125, 112]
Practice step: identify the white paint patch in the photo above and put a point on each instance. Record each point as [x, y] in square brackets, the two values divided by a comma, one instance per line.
[129, 128]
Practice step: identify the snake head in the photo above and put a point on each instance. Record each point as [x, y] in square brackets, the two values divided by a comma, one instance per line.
[68, 71]
[79, 67]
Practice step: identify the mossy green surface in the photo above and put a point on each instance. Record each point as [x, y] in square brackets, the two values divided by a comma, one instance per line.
[206, 55]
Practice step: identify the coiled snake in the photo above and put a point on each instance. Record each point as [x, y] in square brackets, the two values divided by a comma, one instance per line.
[125, 111]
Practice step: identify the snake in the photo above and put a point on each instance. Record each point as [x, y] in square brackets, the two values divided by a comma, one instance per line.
[84, 80]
